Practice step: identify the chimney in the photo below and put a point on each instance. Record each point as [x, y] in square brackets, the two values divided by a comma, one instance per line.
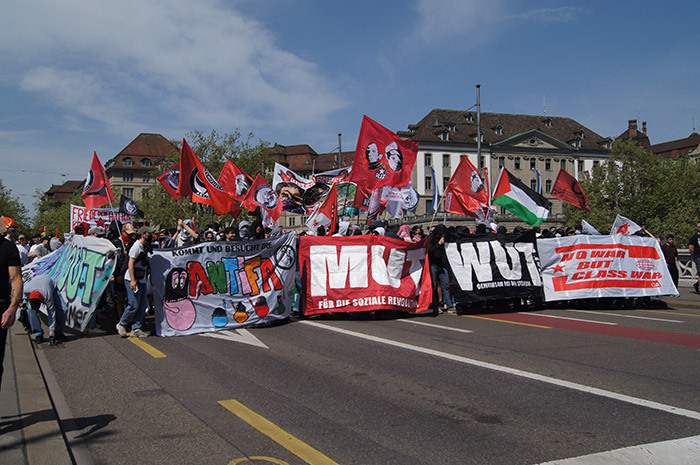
[632, 128]
[644, 127]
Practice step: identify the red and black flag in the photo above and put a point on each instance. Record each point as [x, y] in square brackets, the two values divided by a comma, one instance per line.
[97, 191]
[567, 189]
[170, 180]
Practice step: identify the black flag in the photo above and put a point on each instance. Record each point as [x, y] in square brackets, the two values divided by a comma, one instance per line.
[129, 207]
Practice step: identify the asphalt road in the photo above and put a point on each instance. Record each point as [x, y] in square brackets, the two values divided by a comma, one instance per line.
[385, 389]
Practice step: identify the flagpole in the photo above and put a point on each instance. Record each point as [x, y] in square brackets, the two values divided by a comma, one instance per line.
[442, 197]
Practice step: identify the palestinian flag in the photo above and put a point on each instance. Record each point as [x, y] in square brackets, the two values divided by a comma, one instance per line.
[520, 200]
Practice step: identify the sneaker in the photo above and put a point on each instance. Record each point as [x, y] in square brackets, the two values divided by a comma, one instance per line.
[138, 333]
[39, 339]
[61, 337]
[121, 330]
[52, 340]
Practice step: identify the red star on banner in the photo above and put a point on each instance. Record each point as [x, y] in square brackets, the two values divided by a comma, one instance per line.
[558, 269]
[100, 223]
[624, 229]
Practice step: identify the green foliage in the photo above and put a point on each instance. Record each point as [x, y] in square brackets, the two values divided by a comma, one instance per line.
[213, 150]
[11, 207]
[659, 194]
[53, 215]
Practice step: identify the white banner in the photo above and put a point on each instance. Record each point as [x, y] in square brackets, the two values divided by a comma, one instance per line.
[222, 285]
[96, 217]
[80, 269]
[583, 267]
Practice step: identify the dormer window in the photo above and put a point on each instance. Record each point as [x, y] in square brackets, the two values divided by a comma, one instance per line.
[451, 127]
[470, 117]
[499, 130]
[548, 122]
[577, 143]
[445, 135]
[580, 134]
[128, 162]
[145, 162]
[606, 144]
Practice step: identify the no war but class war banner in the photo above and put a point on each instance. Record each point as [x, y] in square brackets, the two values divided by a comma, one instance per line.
[583, 267]
[222, 285]
[80, 269]
[363, 273]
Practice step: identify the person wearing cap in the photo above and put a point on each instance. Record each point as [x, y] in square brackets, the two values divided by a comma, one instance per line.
[96, 231]
[135, 280]
[694, 250]
[42, 290]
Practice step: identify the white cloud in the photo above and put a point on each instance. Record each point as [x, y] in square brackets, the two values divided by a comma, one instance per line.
[549, 15]
[123, 63]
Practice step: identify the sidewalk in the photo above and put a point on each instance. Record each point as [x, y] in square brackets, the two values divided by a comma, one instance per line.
[29, 425]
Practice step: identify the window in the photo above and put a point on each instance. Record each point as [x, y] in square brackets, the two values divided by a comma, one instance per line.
[596, 163]
[470, 117]
[548, 122]
[146, 177]
[533, 163]
[501, 162]
[548, 186]
[428, 182]
[548, 164]
[127, 176]
[444, 183]
[482, 161]
[533, 184]
[580, 165]
[445, 160]
[428, 205]
[499, 130]
[445, 135]
[292, 220]
[128, 192]
[516, 163]
[563, 164]
[428, 159]
[128, 162]
[145, 162]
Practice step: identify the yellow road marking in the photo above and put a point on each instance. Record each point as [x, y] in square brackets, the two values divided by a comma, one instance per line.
[149, 349]
[248, 459]
[671, 313]
[277, 434]
[506, 321]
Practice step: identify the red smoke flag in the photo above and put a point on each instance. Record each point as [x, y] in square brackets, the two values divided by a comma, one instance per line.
[97, 191]
[326, 215]
[170, 180]
[198, 183]
[465, 191]
[382, 158]
[567, 189]
[261, 194]
[235, 181]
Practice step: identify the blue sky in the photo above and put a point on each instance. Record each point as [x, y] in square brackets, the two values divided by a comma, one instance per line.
[90, 75]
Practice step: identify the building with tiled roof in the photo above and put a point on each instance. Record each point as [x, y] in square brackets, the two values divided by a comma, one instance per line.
[131, 170]
[60, 193]
[675, 148]
[305, 161]
[638, 137]
[523, 144]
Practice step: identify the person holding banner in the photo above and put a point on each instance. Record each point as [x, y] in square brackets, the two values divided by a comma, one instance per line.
[438, 269]
[136, 281]
[42, 290]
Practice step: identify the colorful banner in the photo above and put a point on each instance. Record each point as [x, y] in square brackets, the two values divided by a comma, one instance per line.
[96, 217]
[363, 273]
[80, 269]
[584, 267]
[222, 285]
[490, 266]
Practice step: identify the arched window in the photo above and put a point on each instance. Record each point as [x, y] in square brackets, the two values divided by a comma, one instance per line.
[128, 162]
[145, 162]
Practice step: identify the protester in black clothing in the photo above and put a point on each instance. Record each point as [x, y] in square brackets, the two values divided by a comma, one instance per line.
[11, 289]
[442, 299]
[671, 255]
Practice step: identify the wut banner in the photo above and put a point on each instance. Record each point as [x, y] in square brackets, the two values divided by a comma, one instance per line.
[490, 266]
[583, 267]
[222, 285]
[363, 273]
[80, 269]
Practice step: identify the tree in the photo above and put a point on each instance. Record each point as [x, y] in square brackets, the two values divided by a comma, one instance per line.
[54, 215]
[659, 194]
[213, 150]
[11, 207]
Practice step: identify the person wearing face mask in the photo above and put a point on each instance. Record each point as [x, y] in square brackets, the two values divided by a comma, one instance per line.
[136, 282]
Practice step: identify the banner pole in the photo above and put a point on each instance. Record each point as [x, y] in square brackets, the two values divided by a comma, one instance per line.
[442, 197]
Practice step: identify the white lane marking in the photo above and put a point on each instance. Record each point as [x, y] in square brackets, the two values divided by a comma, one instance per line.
[567, 318]
[628, 316]
[237, 335]
[683, 451]
[459, 330]
[513, 371]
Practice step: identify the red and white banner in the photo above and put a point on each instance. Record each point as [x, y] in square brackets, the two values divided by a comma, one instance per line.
[96, 217]
[584, 267]
[364, 273]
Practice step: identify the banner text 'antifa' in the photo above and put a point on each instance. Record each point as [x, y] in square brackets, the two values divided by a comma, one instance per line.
[349, 266]
[236, 275]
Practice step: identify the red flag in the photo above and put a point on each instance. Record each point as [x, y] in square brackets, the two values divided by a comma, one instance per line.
[382, 158]
[235, 181]
[42, 229]
[197, 183]
[170, 180]
[261, 194]
[465, 191]
[326, 214]
[567, 189]
[97, 191]
[9, 222]
[56, 232]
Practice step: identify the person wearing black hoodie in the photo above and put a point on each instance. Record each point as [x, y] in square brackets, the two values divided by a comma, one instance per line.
[438, 268]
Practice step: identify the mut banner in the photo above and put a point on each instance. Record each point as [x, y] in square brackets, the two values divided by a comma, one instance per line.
[581, 267]
[222, 285]
[363, 273]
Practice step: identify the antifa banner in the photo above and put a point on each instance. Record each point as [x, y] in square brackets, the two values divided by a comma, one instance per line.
[489, 266]
[222, 285]
[363, 273]
[583, 267]
[80, 269]
[96, 217]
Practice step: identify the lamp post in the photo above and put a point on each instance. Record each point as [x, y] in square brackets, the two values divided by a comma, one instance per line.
[439, 123]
